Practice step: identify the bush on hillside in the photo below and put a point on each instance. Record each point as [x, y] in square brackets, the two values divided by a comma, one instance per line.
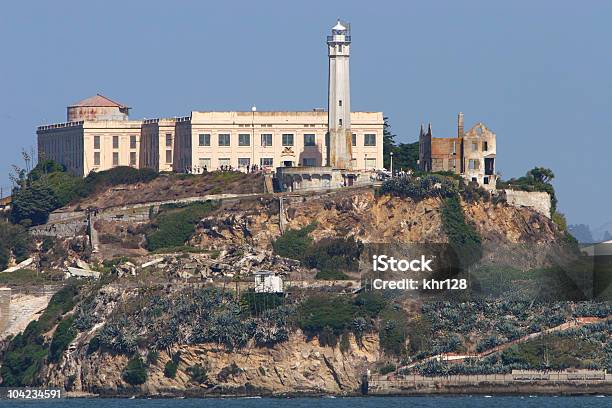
[62, 337]
[294, 243]
[174, 225]
[15, 241]
[48, 187]
[462, 236]
[135, 373]
[333, 257]
[418, 188]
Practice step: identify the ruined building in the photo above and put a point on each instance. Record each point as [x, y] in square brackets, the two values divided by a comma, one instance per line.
[471, 154]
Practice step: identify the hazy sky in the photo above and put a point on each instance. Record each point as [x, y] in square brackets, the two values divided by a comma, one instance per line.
[538, 73]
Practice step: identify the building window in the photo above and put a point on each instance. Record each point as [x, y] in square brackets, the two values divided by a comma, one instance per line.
[169, 139]
[474, 146]
[266, 139]
[485, 147]
[115, 142]
[224, 162]
[369, 139]
[244, 139]
[473, 164]
[339, 47]
[266, 162]
[340, 102]
[204, 139]
[339, 122]
[224, 139]
[454, 147]
[244, 162]
[370, 164]
[168, 156]
[97, 142]
[115, 158]
[287, 139]
[354, 139]
[204, 163]
[309, 162]
[309, 140]
[486, 180]
[96, 158]
[132, 158]
[132, 142]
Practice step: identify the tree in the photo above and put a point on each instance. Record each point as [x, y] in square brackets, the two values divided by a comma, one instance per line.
[405, 155]
[31, 205]
[541, 174]
[15, 241]
[388, 143]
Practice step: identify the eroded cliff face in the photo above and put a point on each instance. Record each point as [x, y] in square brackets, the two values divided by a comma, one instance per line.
[298, 365]
[507, 231]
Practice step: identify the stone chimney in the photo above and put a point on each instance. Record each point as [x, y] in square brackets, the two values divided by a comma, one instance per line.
[460, 132]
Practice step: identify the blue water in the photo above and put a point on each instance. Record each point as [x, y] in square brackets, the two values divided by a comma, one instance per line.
[386, 402]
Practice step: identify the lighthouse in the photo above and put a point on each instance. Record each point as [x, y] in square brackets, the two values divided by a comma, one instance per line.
[339, 97]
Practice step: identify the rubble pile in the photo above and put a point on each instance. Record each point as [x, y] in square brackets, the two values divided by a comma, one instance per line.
[238, 261]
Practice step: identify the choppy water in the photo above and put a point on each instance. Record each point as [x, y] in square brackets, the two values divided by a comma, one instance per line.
[386, 402]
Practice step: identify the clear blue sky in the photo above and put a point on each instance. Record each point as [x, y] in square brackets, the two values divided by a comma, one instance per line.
[538, 73]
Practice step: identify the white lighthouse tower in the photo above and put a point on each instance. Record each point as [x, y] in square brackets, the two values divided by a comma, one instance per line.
[339, 97]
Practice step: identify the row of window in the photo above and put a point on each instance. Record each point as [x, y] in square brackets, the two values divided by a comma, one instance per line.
[116, 142]
[133, 158]
[287, 139]
[244, 162]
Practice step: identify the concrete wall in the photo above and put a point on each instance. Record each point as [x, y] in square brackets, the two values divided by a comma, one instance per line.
[538, 201]
[5, 304]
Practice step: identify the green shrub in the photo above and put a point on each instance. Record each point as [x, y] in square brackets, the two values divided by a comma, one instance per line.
[462, 236]
[333, 257]
[21, 366]
[294, 243]
[256, 303]
[48, 187]
[135, 373]
[472, 192]
[152, 357]
[31, 205]
[345, 343]
[174, 225]
[62, 337]
[198, 374]
[371, 303]
[392, 331]
[94, 345]
[14, 239]
[387, 368]
[326, 311]
[418, 188]
[171, 366]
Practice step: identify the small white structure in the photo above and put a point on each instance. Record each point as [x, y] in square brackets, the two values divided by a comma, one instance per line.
[268, 282]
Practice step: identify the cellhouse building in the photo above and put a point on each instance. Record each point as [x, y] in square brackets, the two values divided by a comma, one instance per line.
[99, 135]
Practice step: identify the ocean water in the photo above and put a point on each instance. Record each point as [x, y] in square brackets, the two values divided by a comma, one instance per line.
[369, 402]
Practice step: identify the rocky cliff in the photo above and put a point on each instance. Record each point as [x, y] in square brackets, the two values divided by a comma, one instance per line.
[298, 365]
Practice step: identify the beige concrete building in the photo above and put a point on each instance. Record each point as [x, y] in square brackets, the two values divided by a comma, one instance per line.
[97, 136]
[157, 144]
[208, 140]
